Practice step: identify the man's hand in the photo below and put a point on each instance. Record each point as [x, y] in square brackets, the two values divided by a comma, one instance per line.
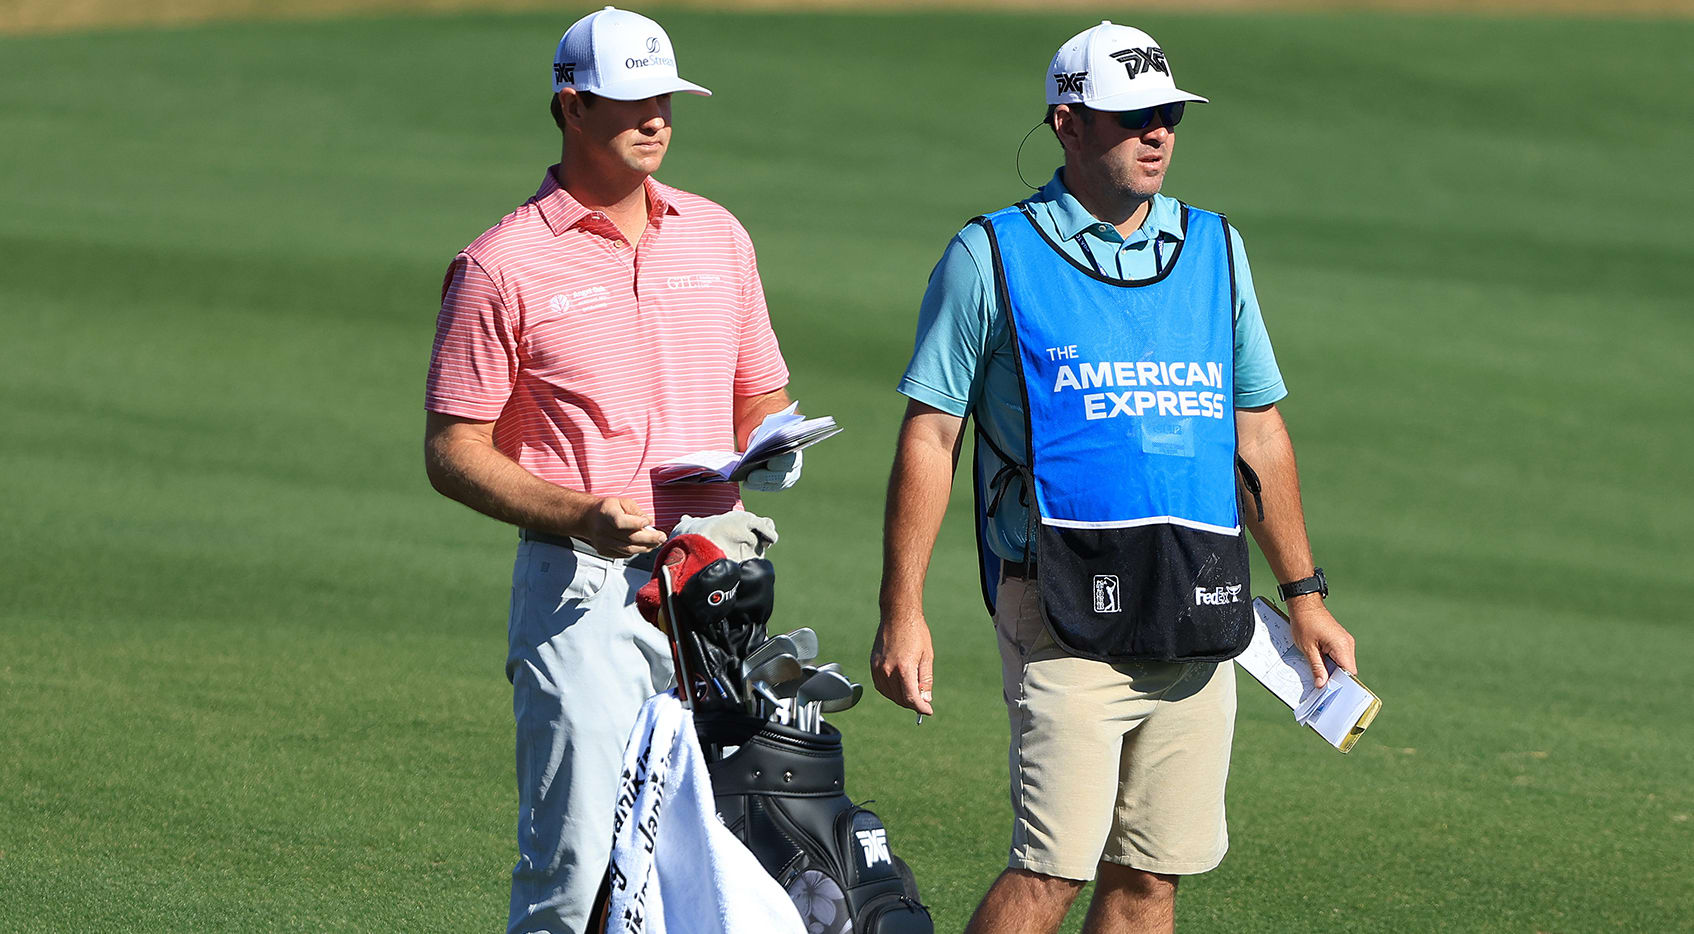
[777, 474]
[617, 528]
[1317, 634]
[903, 662]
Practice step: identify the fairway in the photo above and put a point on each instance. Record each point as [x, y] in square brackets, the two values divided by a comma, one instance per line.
[251, 665]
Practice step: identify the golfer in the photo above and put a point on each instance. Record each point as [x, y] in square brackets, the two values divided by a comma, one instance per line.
[608, 324]
[1108, 340]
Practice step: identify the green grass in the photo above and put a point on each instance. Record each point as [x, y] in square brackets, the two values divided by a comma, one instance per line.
[250, 665]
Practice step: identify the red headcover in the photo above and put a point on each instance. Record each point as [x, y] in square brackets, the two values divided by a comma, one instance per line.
[685, 555]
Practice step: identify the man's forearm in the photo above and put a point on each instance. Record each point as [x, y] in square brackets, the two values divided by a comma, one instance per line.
[918, 489]
[1282, 534]
[481, 477]
[751, 410]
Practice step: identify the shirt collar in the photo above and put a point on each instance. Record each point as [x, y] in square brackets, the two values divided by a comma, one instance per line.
[561, 211]
[1072, 220]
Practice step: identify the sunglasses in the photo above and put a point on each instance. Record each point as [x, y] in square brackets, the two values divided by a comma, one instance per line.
[1169, 115]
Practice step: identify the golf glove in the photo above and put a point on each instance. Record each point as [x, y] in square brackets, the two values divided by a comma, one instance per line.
[778, 473]
[739, 533]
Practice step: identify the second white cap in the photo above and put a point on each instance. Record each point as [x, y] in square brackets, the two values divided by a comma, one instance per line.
[1112, 67]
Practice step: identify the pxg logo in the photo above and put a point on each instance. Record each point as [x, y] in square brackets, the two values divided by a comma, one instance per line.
[875, 844]
[564, 72]
[1106, 594]
[1137, 61]
[1070, 82]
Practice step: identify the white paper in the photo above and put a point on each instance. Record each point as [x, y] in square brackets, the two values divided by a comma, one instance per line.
[1278, 664]
[1342, 702]
[778, 433]
[1274, 659]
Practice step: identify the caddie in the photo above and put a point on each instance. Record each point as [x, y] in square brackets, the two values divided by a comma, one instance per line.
[608, 324]
[1108, 340]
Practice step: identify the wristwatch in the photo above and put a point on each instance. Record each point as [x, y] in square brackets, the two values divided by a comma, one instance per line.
[1317, 584]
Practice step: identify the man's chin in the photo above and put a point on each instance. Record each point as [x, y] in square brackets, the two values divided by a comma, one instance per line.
[645, 165]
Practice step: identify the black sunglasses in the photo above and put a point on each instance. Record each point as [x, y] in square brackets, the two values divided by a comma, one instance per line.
[1169, 115]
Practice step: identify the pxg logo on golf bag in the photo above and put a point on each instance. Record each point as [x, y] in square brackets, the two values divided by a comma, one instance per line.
[564, 72]
[1106, 594]
[1137, 61]
[1071, 81]
[875, 844]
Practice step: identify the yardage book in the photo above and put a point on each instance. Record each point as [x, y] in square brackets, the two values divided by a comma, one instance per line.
[778, 434]
[1339, 712]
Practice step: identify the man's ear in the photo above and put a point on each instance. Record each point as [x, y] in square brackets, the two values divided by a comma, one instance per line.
[1067, 126]
[570, 107]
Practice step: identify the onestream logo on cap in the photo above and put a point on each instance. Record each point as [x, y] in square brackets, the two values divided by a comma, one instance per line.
[621, 55]
[1112, 67]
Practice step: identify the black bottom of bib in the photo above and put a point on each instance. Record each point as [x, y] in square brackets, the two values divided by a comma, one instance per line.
[1155, 592]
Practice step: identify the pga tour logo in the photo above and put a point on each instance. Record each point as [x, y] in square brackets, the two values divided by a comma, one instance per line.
[1217, 596]
[1106, 594]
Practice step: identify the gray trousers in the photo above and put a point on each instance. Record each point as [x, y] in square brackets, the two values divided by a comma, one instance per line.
[581, 661]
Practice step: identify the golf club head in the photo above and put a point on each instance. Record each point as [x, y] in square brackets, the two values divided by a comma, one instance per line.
[776, 670]
[845, 703]
[805, 643]
[774, 646]
[824, 686]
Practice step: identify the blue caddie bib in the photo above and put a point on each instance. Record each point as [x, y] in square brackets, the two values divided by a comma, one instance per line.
[1129, 389]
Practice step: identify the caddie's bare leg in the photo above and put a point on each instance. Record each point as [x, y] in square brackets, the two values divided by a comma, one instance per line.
[1131, 901]
[1024, 902]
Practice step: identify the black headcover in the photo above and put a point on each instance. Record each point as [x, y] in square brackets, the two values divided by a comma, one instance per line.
[754, 600]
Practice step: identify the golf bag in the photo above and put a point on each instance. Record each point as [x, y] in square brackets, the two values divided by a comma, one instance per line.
[781, 791]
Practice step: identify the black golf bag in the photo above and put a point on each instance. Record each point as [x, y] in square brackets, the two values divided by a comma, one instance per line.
[781, 791]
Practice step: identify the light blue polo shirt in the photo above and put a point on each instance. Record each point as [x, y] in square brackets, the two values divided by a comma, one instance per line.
[963, 361]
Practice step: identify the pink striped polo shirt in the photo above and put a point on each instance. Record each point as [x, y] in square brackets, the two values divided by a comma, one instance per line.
[597, 361]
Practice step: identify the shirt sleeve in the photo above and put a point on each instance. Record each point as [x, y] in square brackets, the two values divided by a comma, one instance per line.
[1258, 381]
[475, 360]
[759, 367]
[954, 325]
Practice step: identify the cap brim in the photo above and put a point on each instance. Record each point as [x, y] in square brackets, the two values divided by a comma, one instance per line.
[652, 87]
[1135, 100]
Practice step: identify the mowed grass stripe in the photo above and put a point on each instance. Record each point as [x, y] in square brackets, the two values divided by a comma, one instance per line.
[251, 667]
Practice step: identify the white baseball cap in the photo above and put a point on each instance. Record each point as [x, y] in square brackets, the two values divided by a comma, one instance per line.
[1112, 67]
[618, 54]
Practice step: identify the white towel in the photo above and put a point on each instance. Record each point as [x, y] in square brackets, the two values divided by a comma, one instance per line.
[676, 869]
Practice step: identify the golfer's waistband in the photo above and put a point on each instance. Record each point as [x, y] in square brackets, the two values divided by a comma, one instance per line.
[641, 562]
[1023, 570]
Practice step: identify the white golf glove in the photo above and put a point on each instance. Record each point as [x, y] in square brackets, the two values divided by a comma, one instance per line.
[778, 473]
[739, 533]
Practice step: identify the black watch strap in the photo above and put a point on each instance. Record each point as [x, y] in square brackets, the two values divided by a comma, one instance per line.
[1317, 584]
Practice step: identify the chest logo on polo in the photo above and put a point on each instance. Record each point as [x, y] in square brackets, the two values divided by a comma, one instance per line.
[1106, 594]
[581, 299]
[703, 281]
[1138, 61]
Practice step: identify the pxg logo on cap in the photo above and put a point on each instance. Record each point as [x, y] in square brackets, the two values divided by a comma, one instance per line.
[1111, 67]
[621, 55]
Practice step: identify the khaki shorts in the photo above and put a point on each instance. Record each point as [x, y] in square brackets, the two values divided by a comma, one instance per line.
[1124, 763]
